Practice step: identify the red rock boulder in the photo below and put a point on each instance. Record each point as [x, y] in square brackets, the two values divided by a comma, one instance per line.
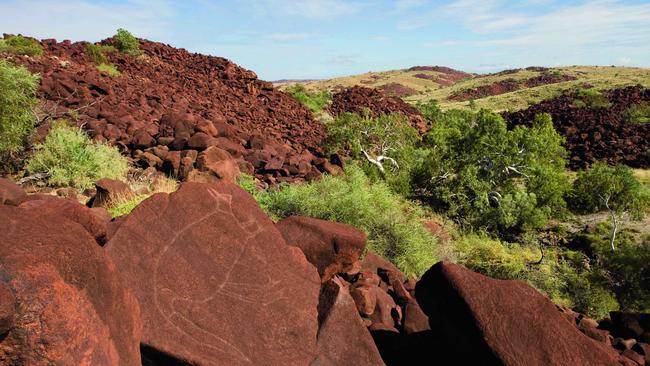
[342, 337]
[215, 279]
[497, 322]
[108, 189]
[67, 304]
[330, 246]
[10, 193]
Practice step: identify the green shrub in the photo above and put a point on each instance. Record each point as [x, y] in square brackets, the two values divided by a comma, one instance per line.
[69, 157]
[98, 52]
[20, 45]
[384, 146]
[491, 178]
[637, 114]
[394, 225]
[561, 274]
[315, 101]
[110, 69]
[590, 98]
[125, 42]
[605, 187]
[17, 101]
[627, 270]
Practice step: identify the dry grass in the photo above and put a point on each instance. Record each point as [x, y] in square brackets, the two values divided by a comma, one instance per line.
[643, 175]
[123, 204]
[600, 77]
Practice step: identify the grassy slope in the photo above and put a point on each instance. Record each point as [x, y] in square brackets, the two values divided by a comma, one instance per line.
[601, 77]
[376, 79]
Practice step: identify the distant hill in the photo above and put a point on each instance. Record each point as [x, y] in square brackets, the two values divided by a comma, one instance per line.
[506, 90]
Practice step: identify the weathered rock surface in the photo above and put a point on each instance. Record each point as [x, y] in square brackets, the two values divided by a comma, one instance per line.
[502, 322]
[109, 189]
[342, 337]
[69, 304]
[10, 193]
[215, 279]
[330, 246]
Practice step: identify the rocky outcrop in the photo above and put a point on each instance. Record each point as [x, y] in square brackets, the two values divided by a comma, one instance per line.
[215, 279]
[596, 133]
[357, 98]
[63, 300]
[502, 322]
[10, 193]
[169, 105]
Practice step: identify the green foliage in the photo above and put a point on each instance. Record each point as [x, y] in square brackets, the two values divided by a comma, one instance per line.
[561, 274]
[384, 146]
[17, 100]
[126, 42]
[590, 98]
[492, 178]
[20, 45]
[615, 187]
[625, 270]
[98, 52]
[637, 114]
[315, 101]
[393, 224]
[110, 69]
[69, 157]
[125, 206]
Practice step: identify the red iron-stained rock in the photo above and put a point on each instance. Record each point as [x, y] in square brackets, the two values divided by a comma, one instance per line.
[10, 193]
[71, 305]
[215, 279]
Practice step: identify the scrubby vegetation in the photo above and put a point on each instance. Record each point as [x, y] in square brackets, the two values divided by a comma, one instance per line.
[590, 98]
[98, 52]
[393, 224]
[17, 102]
[69, 158]
[20, 45]
[315, 101]
[126, 42]
[110, 69]
[637, 114]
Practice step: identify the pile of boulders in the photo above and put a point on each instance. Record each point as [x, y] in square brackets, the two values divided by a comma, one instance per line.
[358, 98]
[202, 276]
[597, 133]
[168, 106]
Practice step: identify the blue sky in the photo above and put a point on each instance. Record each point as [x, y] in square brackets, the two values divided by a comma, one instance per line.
[325, 38]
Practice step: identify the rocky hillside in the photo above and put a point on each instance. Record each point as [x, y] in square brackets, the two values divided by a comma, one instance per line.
[512, 90]
[222, 284]
[168, 106]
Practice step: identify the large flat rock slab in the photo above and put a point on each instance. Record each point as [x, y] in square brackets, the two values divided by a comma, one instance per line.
[215, 279]
[63, 301]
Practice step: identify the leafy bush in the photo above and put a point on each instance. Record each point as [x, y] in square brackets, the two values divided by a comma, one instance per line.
[625, 270]
[637, 114]
[111, 70]
[125, 42]
[394, 225]
[20, 45]
[17, 100]
[315, 101]
[603, 187]
[69, 157]
[590, 98]
[492, 178]
[384, 146]
[98, 52]
[561, 274]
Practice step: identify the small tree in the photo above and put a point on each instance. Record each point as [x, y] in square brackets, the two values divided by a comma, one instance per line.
[611, 188]
[17, 101]
[493, 178]
[385, 146]
[126, 42]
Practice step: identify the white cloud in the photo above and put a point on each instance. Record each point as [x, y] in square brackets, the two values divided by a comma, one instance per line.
[625, 60]
[84, 20]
